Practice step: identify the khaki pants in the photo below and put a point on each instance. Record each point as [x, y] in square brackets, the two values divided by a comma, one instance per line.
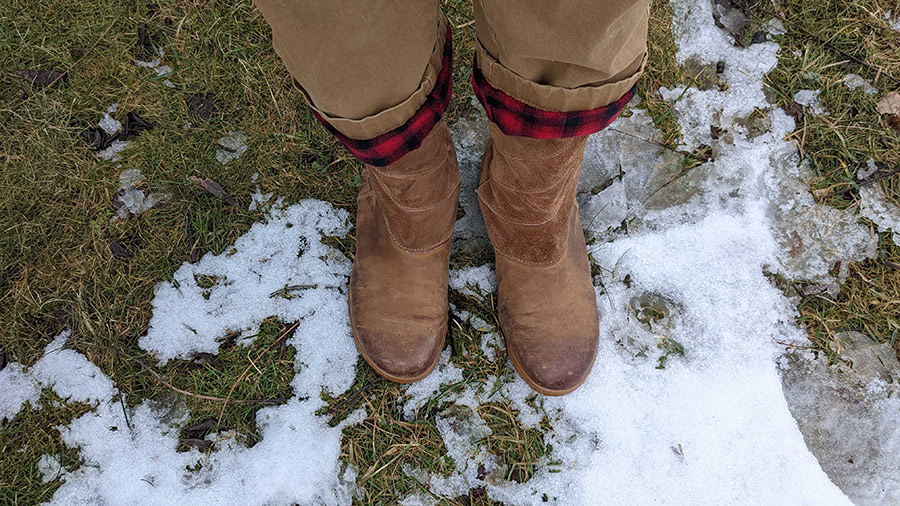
[367, 66]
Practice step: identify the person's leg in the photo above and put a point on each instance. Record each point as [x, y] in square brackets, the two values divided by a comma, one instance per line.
[548, 74]
[377, 75]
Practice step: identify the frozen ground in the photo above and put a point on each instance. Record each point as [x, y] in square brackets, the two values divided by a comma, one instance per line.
[702, 392]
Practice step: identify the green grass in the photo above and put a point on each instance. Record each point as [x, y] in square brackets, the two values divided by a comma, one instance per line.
[57, 271]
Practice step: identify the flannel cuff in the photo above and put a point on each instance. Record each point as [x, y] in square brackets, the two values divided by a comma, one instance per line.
[389, 147]
[515, 117]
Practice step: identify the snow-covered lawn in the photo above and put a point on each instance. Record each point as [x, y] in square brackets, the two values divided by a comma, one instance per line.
[685, 407]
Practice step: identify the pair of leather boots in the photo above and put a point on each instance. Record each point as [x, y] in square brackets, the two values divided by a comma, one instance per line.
[398, 287]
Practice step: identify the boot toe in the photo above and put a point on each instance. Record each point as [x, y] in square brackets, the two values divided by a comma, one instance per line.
[401, 358]
[554, 370]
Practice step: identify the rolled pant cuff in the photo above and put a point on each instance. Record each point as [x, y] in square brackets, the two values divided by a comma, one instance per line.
[390, 146]
[515, 117]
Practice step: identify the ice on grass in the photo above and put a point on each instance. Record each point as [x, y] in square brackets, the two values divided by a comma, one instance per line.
[18, 388]
[875, 206]
[470, 135]
[854, 81]
[112, 152]
[417, 394]
[156, 65]
[809, 99]
[848, 414]
[50, 468]
[892, 20]
[474, 281]
[231, 147]
[130, 200]
[108, 123]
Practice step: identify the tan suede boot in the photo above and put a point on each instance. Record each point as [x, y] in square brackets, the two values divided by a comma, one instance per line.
[547, 307]
[398, 287]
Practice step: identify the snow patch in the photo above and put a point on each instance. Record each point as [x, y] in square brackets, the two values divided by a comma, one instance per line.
[18, 388]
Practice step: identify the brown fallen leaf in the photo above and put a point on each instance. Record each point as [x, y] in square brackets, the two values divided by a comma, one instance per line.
[202, 106]
[118, 250]
[201, 444]
[893, 121]
[199, 429]
[133, 125]
[207, 358]
[795, 111]
[41, 77]
[889, 104]
[213, 188]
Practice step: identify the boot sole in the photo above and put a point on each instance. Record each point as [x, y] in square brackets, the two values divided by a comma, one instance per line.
[381, 372]
[535, 386]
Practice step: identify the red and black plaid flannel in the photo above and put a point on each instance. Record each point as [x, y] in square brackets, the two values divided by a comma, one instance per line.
[389, 147]
[517, 118]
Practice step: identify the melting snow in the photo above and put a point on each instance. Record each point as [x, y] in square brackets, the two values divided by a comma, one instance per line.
[156, 65]
[713, 425]
[875, 206]
[231, 147]
[854, 81]
[108, 123]
[18, 389]
[130, 200]
[810, 100]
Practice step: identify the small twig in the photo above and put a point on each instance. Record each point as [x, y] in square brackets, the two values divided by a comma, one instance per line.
[286, 290]
[660, 144]
[867, 181]
[125, 412]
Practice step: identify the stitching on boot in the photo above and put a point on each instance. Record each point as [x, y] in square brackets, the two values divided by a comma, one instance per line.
[414, 209]
[552, 262]
[555, 206]
[425, 249]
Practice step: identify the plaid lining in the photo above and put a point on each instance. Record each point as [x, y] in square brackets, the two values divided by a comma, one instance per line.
[389, 147]
[520, 119]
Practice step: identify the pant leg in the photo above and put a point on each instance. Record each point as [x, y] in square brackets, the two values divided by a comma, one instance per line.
[366, 67]
[579, 59]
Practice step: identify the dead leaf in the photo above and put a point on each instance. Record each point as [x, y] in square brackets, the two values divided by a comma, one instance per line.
[228, 340]
[729, 16]
[41, 77]
[118, 250]
[213, 188]
[893, 121]
[133, 125]
[97, 138]
[144, 46]
[759, 37]
[199, 429]
[795, 110]
[889, 104]
[202, 106]
[201, 444]
[207, 358]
